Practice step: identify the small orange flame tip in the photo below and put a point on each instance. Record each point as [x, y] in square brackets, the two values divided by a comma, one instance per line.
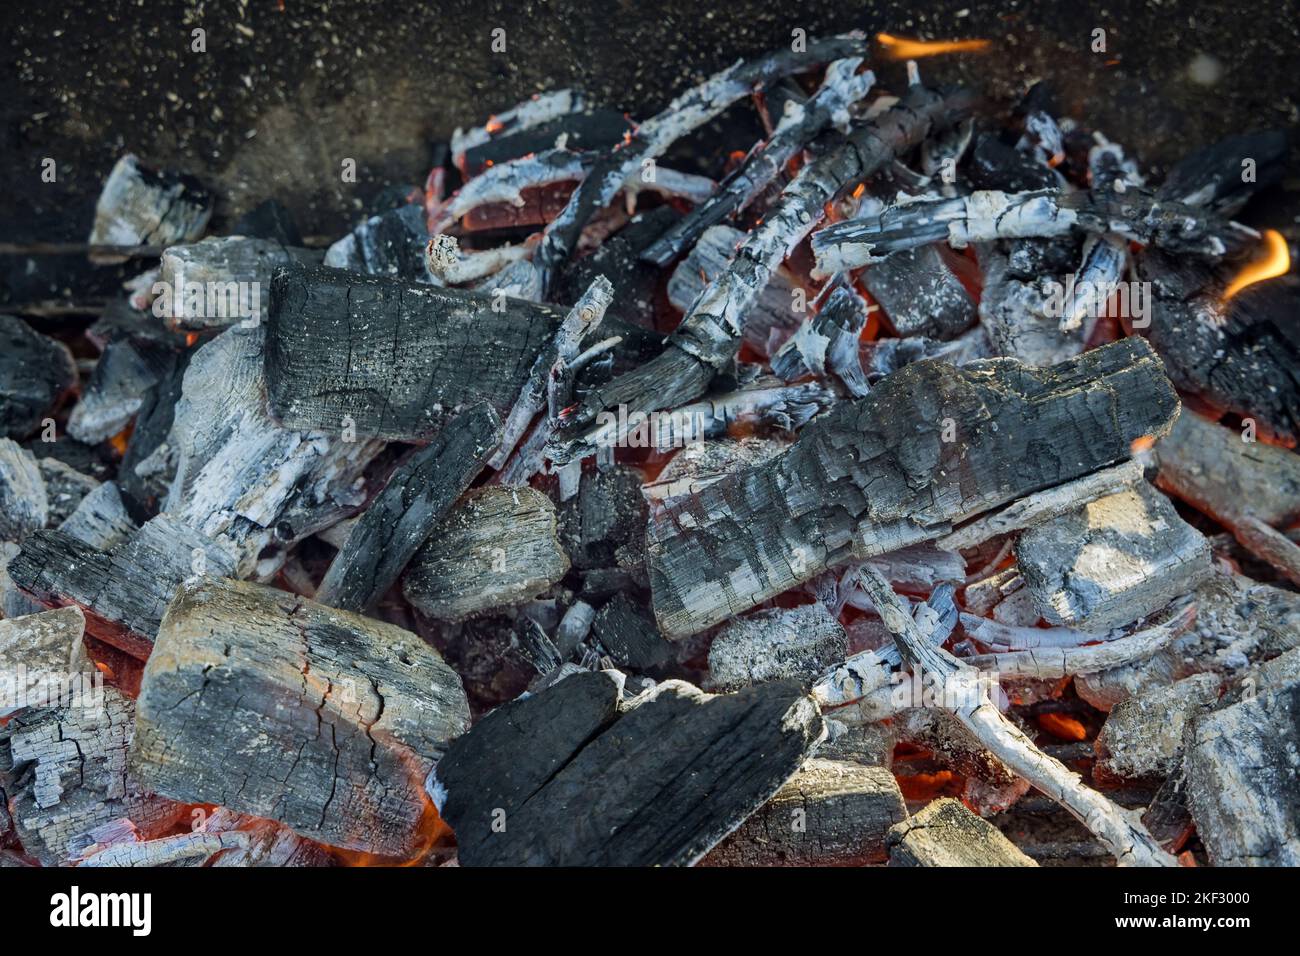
[1275, 262]
[899, 48]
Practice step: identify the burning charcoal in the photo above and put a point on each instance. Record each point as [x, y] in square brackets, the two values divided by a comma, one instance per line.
[65, 488]
[144, 207]
[123, 591]
[13, 602]
[771, 316]
[1017, 316]
[496, 548]
[270, 220]
[101, 519]
[388, 245]
[124, 374]
[920, 567]
[67, 773]
[24, 505]
[711, 333]
[1142, 735]
[945, 833]
[998, 165]
[607, 513]
[746, 524]
[149, 465]
[418, 495]
[885, 356]
[220, 281]
[842, 86]
[264, 843]
[35, 373]
[828, 343]
[118, 844]
[252, 741]
[795, 644]
[1112, 561]
[533, 126]
[42, 651]
[630, 636]
[921, 295]
[1212, 177]
[1243, 780]
[660, 785]
[990, 785]
[651, 138]
[830, 813]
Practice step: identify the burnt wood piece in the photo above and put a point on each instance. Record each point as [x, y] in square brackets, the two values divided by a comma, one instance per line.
[796, 644]
[885, 356]
[1016, 313]
[660, 785]
[279, 707]
[140, 206]
[232, 275]
[608, 513]
[651, 138]
[1212, 176]
[497, 547]
[24, 505]
[629, 635]
[995, 164]
[124, 373]
[36, 371]
[400, 518]
[830, 813]
[921, 295]
[1142, 736]
[710, 335]
[699, 466]
[65, 772]
[945, 833]
[526, 115]
[1242, 356]
[390, 244]
[841, 87]
[101, 519]
[587, 129]
[635, 282]
[393, 359]
[1243, 780]
[149, 464]
[65, 488]
[40, 656]
[271, 220]
[828, 343]
[123, 591]
[1114, 560]
[874, 475]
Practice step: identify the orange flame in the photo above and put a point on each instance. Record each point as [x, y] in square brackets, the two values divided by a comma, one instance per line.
[1142, 443]
[901, 49]
[1275, 262]
[493, 125]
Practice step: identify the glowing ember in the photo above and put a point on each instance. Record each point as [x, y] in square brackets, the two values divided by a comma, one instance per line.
[898, 48]
[1141, 444]
[1275, 262]
[1063, 727]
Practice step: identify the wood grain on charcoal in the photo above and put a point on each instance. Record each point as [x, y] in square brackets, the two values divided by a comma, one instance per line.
[945, 833]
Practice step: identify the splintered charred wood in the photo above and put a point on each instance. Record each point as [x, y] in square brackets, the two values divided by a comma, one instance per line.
[1142, 735]
[921, 295]
[36, 371]
[140, 206]
[149, 465]
[123, 591]
[1112, 561]
[1243, 782]
[67, 774]
[630, 635]
[1017, 314]
[496, 548]
[65, 488]
[1105, 258]
[874, 475]
[24, 505]
[651, 138]
[842, 86]
[828, 343]
[797, 644]
[391, 244]
[264, 843]
[945, 833]
[1136, 214]
[101, 519]
[699, 466]
[219, 281]
[393, 359]
[1240, 356]
[40, 655]
[660, 785]
[400, 518]
[830, 813]
[280, 707]
[533, 124]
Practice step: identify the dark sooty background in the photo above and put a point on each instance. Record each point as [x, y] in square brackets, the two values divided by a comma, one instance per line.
[274, 113]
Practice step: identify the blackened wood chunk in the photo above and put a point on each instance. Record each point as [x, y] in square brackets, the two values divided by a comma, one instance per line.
[101, 519]
[393, 359]
[876, 474]
[630, 636]
[830, 813]
[276, 706]
[1212, 176]
[945, 833]
[660, 786]
[618, 258]
[147, 207]
[125, 372]
[35, 373]
[65, 488]
[418, 495]
[1142, 735]
[123, 591]
[1243, 780]
[41, 655]
[222, 280]
[24, 504]
[798, 644]
[608, 512]
[149, 465]
[590, 128]
[496, 548]
[921, 295]
[995, 164]
[65, 771]
[391, 244]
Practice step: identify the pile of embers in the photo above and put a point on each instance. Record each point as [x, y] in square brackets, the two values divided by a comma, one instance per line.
[922, 537]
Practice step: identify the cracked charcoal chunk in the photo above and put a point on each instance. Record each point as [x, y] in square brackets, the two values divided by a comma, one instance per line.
[608, 512]
[36, 371]
[921, 295]
[1142, 735]
[658, 786]
[797, 644]
[945, 833]
[630, 635]
[24, 502]
[279, 707]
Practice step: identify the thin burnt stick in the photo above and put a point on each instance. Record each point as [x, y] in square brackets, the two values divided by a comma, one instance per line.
[280, 707]
[873, 475]
[36, 372]
[709, 336]
[1105, 259]
[651, 138]
[841, 87]
[445, 260]
[583, 318]
[527, 115]
[400, 518]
